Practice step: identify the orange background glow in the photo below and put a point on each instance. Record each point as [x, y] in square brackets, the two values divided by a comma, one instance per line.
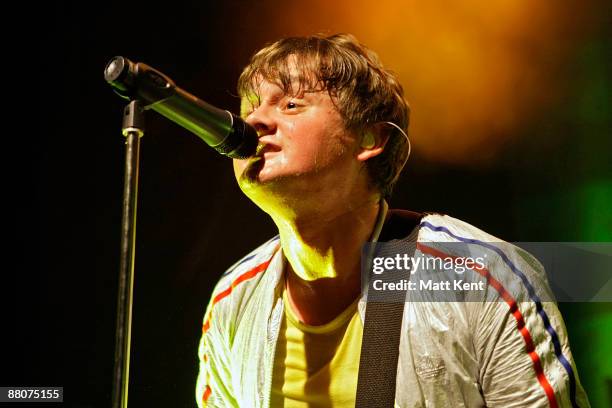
[474, 72]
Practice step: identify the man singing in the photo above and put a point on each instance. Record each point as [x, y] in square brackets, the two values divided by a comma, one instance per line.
[284, 326]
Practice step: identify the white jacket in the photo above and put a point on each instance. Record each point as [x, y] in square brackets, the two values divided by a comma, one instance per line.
[509, 353]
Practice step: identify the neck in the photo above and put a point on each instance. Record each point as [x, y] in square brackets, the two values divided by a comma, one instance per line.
[327, 244]
[323, 250]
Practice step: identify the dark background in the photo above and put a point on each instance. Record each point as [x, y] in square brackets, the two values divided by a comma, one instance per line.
[553, 184]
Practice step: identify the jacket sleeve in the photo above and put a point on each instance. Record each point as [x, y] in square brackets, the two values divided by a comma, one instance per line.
[214, 386]
[522, 345]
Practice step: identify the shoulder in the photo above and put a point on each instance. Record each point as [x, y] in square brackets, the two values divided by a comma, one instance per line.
[256, 257]
[506, 264]
[248, 269]
[233, 289]
[400, 222]
[453, 229]
[436, 226]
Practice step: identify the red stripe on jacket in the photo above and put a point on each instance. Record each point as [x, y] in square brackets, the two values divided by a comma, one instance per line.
[245, 276]
[520, 321]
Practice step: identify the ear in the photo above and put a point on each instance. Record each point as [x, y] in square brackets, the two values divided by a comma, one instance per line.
[373, 142]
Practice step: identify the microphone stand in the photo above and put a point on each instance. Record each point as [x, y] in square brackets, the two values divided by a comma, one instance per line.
[133, 130]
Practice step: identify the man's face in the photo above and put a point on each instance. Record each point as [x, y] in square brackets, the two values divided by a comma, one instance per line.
[304, 145]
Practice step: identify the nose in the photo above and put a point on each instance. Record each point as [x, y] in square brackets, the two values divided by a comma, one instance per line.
[263, 122]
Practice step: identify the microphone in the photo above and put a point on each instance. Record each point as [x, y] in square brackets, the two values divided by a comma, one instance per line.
[220, 129]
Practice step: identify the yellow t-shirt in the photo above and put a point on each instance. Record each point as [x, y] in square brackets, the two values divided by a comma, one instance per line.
[317, 366]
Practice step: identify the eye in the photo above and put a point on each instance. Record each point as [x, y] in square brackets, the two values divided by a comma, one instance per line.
[291, 106]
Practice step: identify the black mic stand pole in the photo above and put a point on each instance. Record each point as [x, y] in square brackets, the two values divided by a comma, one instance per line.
[132, 129]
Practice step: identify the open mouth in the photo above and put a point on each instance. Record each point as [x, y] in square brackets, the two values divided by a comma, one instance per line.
[264, 148]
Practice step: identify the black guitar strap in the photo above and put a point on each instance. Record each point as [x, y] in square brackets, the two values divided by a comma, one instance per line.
[383, 319]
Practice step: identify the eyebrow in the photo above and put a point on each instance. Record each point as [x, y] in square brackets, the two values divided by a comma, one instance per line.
[255, 100]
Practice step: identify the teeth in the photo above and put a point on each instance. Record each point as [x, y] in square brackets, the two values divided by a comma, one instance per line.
[260, 147]
[265, 147]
